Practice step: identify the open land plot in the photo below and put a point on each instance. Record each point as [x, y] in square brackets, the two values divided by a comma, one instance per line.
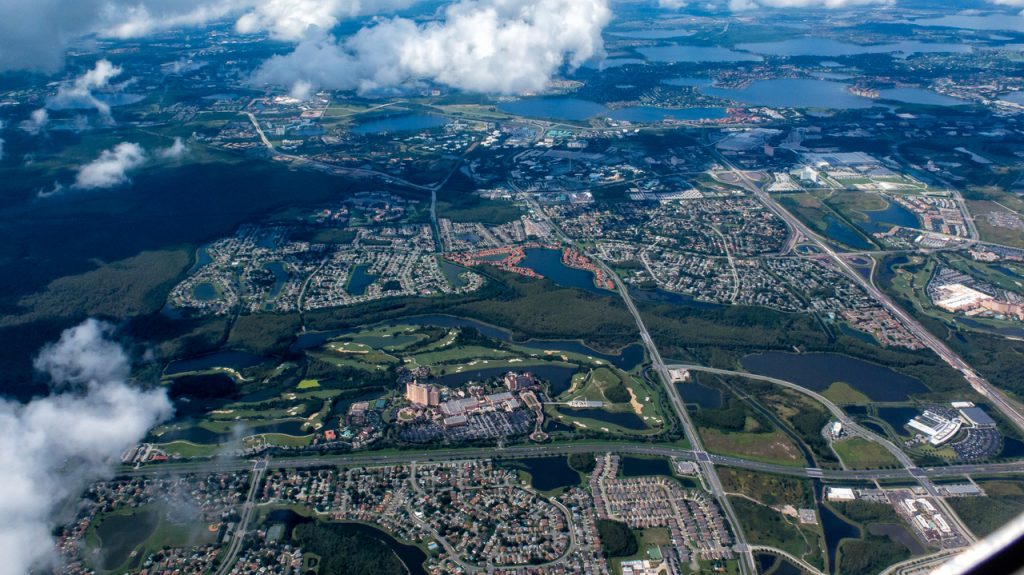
[772, 447]
[859, 453]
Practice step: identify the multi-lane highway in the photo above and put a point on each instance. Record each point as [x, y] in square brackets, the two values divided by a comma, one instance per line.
[461, 454]
[996, 397]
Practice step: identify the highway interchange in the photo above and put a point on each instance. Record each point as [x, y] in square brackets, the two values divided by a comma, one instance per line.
[707, 462]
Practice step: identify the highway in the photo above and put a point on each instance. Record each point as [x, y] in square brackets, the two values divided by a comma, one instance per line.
[534, 450]
[983, 387]
[230, 556]
[703, 458]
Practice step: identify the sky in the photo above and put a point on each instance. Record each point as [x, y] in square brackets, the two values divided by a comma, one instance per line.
[486, 46]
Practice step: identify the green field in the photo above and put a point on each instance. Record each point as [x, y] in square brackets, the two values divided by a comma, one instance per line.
[120, 541]
[765, 526]
[859, 453]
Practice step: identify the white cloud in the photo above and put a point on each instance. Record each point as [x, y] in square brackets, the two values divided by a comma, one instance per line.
[35, 35]
[111, 168]
[504, 46]
[52, 448]
[671, 4]
[739, 5]
[79, 93]
[36, 121]
[175, 151]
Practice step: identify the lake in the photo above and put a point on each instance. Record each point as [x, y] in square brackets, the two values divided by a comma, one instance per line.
[840, 231]
[651, 114]
[204, 291]
[1012, 448]
[880, 221]
[571, 109]
[688, 81]
[830, 47]
[817, 371]
[546, 473]
[768, 563]
[706, 397]
[921, 97]
[548, 263]
[624, 419]
[657, 34]
[897, 417]
[404, 123]
[682, 53]
[793, 93]
[232, 359]
[639, 466]
[834, 527]
[411, 556]
[359, 280]
[970, 21]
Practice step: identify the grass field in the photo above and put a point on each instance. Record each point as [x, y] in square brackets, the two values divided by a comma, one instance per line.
[765, 526]
[842, 393]
[772, 447]
[983, 515]
[767, 488]
[859, 453]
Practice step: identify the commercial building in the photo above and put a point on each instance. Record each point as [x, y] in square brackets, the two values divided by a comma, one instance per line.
[422, 394]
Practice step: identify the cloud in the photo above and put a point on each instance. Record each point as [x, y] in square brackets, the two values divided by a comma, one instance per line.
[36, 121]
[175, 151]
[54, 447]
[79, 93]
[671, 4]
[111, 168]
[503, 46]
[740, 5]
[35, 35]
[1, 141]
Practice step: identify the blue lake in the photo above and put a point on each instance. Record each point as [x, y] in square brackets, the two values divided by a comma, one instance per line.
[834, 527]
[817, 371]
[920, 96]
[894, 215]
[681, 53]
[970, 21]
[280, 277]
[548, 263]
[839, 231]
[204, 291]
[359, 281]
[639, 466]
[685, 81]
[236, 360]
[793, 93]
[546, 473]
[572, 109]
[651, 114]
[405, 123]
[830, 47]
[897, 417]
[706, 397]
[655, 34]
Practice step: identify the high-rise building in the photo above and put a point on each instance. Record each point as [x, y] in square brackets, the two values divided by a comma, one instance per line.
[422, 394]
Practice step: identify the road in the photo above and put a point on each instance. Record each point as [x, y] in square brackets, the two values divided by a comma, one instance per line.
[406, 457]
[996, 397]
[230, 556]
[703, 458]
